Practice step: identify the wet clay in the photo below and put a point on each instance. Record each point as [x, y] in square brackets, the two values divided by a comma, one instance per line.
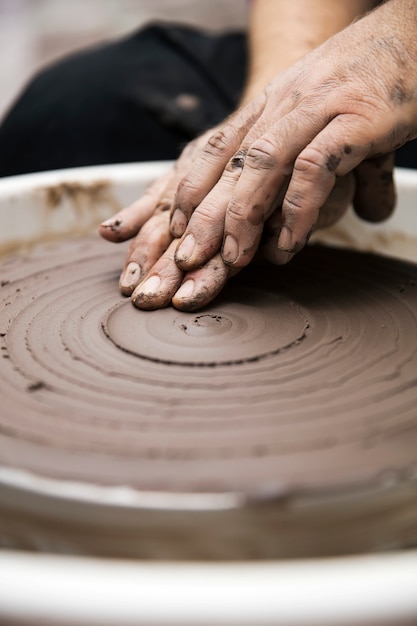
[296, 390]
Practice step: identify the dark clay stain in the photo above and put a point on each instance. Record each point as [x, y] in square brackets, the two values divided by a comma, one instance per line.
[36, 386]
[332, 162]
[400, 134]
[256, 216]
[296, 96]
[238, 161]
[397, 94]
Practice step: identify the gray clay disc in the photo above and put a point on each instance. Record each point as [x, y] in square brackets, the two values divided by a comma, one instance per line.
[279, 421]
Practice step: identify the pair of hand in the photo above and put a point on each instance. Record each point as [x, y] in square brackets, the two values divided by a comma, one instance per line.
[319, 137]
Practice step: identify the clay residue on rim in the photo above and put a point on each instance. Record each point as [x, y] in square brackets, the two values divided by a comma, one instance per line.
[65, 210]
[80, 194]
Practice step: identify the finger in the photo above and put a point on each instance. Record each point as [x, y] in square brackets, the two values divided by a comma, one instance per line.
[338, 202]
[335, 151]
[270, 235]
[162, 281]
[202, 286]
[268, 164]
[333, 209]
[126, 224]
[375, 196]
[144, 251]
[204, 234]
[210, 163]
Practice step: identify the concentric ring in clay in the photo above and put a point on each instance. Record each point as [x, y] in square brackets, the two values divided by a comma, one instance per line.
[279, 421]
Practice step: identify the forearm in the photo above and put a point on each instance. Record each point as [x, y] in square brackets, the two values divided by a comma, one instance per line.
[282, 31]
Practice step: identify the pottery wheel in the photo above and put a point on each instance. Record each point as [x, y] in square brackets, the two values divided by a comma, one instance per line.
[290, 399]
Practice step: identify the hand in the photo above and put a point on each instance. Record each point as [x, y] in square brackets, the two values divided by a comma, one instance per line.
[151, 252]
[188, 291]
[151, 275]
[342, 108]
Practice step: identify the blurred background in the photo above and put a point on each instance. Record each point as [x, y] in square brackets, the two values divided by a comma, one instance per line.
[35, 32]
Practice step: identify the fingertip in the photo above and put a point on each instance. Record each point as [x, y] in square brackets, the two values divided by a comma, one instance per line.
[375, 195]
[373, 215]
[184, 252]
[146, 294]
[230, 249]
[186, 290]
[373, 211]
[111, 230]
[200, 287]
[130, 278]
[188, 305]
[191, 297]
[178, 223]
[184, 299]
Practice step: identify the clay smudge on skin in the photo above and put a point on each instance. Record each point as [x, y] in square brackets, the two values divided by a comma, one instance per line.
[397, 94]
[238, 161]
[333, 162]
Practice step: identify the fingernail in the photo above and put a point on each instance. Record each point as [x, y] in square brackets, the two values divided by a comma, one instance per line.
[285, 239]
[186, 249]
[130, 277]
[186, 290]
[112, 223]
[230, 249]
[150, 286]
[178, 223]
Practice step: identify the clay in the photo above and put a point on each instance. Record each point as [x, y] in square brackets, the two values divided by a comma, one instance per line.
[298, 384]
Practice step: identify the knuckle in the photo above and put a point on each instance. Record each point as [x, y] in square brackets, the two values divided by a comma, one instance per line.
[186, 189]
[164, 204]
[205, 212]
[292, 206]
[262, 154]
[313, 162]
[236, 210]
[218, 144]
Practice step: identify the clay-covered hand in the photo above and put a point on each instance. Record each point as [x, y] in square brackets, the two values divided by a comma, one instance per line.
[152, 249]
[151, 275]
[342, 108]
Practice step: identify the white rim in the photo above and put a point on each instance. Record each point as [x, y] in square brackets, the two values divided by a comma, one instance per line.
[377, 589]
[67, 590]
